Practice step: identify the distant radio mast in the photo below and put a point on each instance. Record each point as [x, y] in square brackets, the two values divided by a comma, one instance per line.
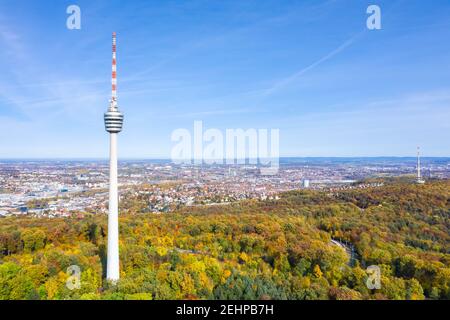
[113, 125]
[419, 176]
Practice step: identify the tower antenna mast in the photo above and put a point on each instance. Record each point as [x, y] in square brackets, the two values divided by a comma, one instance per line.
[419, 175]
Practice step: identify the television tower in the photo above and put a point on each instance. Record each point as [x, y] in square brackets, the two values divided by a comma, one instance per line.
[113, 125]
[419, 175]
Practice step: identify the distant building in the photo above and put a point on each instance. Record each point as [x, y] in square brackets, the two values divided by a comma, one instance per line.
[305, 183]
[23, 209]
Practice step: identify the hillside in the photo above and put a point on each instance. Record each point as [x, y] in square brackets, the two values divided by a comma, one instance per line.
[249, 250]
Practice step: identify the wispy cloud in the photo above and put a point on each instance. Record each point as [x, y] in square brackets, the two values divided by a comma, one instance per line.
[427, 104]
[11, 42]
[28, 90]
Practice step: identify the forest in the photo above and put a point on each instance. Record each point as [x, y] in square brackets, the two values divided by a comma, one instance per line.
[274, 249]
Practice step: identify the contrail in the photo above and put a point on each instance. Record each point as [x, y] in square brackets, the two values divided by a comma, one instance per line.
[298, 74]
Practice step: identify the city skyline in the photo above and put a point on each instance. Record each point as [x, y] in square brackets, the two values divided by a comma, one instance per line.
[314, 71]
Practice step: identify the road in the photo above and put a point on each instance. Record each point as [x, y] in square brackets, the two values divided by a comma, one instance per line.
[349, 250]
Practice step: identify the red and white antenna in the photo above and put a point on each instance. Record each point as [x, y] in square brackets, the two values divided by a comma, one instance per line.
[114, 73]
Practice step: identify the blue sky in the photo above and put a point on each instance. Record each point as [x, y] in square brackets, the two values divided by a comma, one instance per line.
[308, 68]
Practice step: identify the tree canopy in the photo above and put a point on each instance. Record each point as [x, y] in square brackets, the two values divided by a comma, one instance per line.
[274, 249]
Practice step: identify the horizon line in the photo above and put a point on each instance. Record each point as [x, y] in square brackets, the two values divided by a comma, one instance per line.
[193, 159]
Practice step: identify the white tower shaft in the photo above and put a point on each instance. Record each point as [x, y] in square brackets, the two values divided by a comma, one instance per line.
[112, 272]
